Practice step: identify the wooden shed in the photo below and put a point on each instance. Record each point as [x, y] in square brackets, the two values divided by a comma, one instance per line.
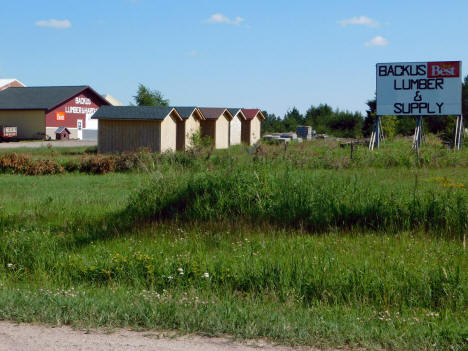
[252, 126]
[129, 128]
[235, 127]
[216, 125]
[190, 125]
[62, 133]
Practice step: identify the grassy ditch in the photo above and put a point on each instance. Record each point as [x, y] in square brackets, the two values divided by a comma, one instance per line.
[315, 201]
[405, 291]
[360, 258]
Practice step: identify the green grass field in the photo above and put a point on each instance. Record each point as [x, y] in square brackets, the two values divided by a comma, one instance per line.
[296, 246]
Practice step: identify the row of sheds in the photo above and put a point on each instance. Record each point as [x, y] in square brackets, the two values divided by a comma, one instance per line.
[160, 129]
[47, 112]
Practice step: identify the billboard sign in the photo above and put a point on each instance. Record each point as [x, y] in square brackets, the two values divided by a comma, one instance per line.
[419, 88]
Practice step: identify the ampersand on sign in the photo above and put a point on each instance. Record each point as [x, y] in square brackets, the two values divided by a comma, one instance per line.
[418, 96]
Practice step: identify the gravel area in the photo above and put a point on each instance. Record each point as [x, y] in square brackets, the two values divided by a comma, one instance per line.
[22, 337]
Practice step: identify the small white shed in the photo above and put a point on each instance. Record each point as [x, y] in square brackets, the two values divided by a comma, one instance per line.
[235, 127]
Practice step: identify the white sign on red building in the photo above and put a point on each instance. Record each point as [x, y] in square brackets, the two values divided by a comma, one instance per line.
[419, 88]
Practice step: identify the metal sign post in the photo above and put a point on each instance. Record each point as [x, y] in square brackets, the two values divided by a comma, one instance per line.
[377, 134]
[459, 133]
[418, 133]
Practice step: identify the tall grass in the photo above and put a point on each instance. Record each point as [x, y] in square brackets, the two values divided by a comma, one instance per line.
[315, 201]
[298, 249]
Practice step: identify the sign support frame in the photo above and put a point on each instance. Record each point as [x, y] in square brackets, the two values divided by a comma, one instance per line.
[459, 133]
[377, 134]
[418, 133]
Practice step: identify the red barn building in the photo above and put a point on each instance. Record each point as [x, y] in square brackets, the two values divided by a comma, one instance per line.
[37, 112]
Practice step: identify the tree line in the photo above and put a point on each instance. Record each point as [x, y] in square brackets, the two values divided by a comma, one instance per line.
[345, 124]
[326, 120]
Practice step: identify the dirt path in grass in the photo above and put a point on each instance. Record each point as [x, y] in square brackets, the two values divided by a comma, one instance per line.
[25, 337]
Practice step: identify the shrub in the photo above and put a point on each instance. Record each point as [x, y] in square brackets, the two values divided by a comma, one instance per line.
[98, 164]
[14, 163]
[43, 167]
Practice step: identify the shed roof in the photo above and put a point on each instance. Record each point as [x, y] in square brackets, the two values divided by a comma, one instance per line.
[214, 112]
[135, 112]
[250, 113]
[40, 98]
[61, 129]
[235, 111]
[185, 111]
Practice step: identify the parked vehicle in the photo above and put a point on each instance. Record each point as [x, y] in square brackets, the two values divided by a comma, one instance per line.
[8, 133]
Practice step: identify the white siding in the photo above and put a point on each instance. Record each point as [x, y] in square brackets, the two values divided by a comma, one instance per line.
[192, 126]
[235, 130]
[168, 134]
[255, 129]
[222, 132]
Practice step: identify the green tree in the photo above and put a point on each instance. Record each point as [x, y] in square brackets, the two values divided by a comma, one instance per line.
[389, 126]
[272, 123]
[292, 119]
[148, 97]
[369, 121]
[319, 117]
[406, 125]
[345, 124]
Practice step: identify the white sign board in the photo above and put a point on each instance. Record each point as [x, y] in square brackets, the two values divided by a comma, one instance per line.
[419, 88]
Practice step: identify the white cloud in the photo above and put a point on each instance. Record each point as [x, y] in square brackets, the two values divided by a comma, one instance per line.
[363, 21]
[220, 18]
[377, 41]
[53, 23]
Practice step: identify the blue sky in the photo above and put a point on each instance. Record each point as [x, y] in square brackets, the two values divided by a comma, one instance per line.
[245, 53]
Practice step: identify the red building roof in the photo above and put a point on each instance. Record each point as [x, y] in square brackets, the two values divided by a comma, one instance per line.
[250, 113]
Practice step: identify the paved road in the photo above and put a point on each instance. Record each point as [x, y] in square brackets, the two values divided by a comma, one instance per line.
[25, 337]
[54, 143]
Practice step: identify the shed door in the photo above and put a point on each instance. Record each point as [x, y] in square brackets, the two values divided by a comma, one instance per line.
[79, 127]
